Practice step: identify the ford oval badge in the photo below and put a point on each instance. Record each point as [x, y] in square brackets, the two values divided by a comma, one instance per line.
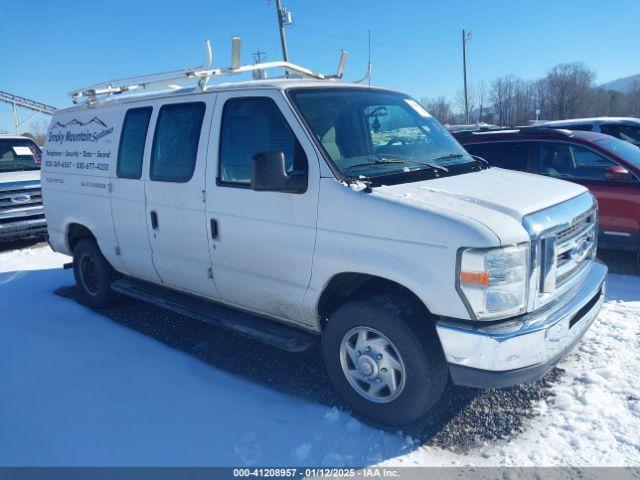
[20, 198]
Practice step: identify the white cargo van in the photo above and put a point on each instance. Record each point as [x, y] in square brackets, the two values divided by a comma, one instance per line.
[303, 210]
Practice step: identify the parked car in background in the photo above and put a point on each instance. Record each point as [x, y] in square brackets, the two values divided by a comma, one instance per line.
[609, 167]
[21, 212]
[624, 128]
[471, 126]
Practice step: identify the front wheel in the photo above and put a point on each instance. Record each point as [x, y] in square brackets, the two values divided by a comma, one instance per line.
[93, 273]
[384, 359]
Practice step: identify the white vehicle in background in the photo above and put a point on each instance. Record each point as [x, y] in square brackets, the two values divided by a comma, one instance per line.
[624, 128]
[471, 127]
[297, 211]
[21, 212]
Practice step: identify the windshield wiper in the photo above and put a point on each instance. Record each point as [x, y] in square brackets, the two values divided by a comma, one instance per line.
[481, 160]
[447, 156]
[435, 166]
[384, 161]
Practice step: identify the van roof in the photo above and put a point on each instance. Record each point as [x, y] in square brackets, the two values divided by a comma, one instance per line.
[267, 84]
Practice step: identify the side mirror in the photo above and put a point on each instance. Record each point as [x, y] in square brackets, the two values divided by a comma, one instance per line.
[617, 173]
[268, 174]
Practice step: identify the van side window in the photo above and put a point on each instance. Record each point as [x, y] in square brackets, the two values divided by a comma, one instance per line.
[175, 142]
[250, 126]
[132, 140]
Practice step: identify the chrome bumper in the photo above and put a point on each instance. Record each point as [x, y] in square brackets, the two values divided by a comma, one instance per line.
[23, 229]
[524, 349]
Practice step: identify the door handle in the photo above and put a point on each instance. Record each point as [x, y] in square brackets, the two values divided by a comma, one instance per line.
[154, 219]
[214, 229]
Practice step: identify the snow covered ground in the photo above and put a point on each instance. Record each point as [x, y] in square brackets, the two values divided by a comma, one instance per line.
[79, 389]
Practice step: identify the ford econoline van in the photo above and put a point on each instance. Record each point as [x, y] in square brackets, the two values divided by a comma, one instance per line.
[298, 211]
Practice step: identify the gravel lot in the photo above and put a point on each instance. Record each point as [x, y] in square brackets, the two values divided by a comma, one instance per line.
[463, 419]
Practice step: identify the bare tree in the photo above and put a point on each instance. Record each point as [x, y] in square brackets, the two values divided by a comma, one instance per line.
[502, 97]
[568, 90]
[482, 98]
[38, 131]
[440, 108]
[633, 100]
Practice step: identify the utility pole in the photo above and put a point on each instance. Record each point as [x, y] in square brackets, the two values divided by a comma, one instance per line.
[284, 18]
[258, 57]
[466, 36]
[15, 118]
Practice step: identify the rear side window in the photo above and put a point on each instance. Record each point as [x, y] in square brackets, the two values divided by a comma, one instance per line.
[250, 126]
[132, 140]
[509, 155]
[175, 142]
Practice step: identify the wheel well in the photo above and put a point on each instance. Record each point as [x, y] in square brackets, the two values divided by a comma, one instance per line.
[76, 233]
[345, 286]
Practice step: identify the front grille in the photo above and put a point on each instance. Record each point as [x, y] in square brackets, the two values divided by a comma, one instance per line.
[16, 220]
[563, 245]
[574, 229]
[575, 247]
[20, 202]
[7, 198]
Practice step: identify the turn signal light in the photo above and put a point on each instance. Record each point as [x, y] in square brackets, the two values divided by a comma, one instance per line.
[475, 278]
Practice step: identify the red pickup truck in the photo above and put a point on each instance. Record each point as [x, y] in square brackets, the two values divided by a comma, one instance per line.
[609, 167]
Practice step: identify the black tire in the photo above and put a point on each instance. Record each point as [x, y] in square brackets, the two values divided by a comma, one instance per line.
[405, 323]
[93, 273]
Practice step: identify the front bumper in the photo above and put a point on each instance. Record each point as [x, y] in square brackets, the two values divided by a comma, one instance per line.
[523, 349]
[28, 228]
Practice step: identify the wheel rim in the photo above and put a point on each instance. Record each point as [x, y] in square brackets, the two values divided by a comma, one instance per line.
[372, 364]
[89, 274]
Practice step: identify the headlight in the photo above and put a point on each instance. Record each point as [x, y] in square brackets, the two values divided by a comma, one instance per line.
[493, 281]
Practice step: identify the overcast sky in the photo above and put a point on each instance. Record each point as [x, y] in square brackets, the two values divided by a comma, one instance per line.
[48, 48]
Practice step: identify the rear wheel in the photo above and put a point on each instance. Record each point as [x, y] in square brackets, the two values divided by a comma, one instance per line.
[384, 359]
[93, 273]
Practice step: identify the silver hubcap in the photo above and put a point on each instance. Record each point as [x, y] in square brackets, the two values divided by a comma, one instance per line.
[372, 364]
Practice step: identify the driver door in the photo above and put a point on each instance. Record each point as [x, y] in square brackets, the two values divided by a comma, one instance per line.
[261, 242]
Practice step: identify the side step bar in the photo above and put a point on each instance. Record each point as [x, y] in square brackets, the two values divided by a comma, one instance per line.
[259, 328]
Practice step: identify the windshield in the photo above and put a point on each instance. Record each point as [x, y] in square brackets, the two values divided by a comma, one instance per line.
[17, 155]
[369, 132]
[627, 151]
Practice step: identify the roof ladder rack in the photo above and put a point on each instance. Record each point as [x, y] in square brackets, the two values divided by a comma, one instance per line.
[200, 74]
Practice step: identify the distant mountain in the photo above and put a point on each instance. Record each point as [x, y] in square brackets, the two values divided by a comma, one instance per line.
[621, 84]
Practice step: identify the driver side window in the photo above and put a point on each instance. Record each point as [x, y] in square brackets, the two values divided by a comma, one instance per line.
[572, 162]
[253, 125]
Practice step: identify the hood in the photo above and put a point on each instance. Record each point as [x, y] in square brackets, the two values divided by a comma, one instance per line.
[24, 176]
[486, 196]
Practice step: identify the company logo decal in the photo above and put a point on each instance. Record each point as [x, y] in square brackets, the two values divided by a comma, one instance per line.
[86, 134]
[75, 121]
